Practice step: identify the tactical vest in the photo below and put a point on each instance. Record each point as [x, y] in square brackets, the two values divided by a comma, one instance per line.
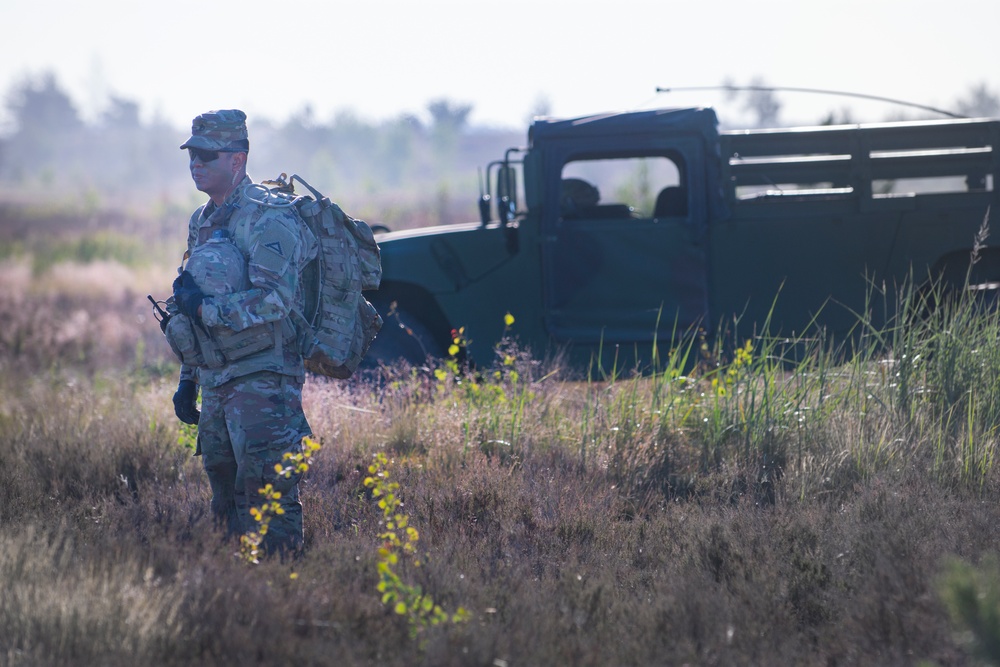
[218, 267]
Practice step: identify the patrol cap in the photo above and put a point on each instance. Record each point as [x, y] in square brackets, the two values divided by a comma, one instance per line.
[224, 130]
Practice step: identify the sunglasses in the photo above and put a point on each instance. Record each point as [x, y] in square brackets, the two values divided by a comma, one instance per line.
[203, 155]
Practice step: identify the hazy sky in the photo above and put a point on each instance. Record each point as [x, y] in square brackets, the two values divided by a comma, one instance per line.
[381, 58]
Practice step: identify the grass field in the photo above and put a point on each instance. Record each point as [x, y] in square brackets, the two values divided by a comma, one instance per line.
[839, 510]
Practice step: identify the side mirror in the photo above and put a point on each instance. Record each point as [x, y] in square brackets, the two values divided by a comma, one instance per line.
[506, 193]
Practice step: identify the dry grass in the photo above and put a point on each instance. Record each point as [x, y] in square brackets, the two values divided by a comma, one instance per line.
[653, 520]
[108, 555]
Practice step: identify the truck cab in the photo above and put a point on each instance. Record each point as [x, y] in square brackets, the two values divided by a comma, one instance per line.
[615, 234]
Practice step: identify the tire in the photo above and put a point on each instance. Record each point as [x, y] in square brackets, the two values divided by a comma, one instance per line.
[403, 338]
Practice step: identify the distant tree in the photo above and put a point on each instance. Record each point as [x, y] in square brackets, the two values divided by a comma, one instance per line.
[46, 124]
[980, 102]
[758, 100]
[42, 106]
[404, 171]
[136, 155]
[763, 104]
[448, 122]
[449, 115]
[839, 117]
[354, 142]
[121, 114]
[398, 139]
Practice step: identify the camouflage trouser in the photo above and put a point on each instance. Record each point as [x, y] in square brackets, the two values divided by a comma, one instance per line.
[246, 426]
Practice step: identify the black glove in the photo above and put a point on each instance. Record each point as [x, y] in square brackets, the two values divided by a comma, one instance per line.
[184, 402]
[187, 295]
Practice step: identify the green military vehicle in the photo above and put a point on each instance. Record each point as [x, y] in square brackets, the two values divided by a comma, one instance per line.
[611, 234]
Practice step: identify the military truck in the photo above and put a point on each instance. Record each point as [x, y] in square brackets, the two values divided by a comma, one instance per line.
[609, 234]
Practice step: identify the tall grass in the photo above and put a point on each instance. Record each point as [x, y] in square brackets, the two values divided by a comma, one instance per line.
[762, 501]
[921, 392]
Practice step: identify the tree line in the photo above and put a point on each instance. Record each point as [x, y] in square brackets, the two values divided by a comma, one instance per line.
[403, 172]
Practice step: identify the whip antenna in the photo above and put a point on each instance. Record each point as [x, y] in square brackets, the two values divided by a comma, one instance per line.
[815, 91]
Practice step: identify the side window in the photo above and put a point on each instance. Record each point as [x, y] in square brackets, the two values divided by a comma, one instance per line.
[623, 187]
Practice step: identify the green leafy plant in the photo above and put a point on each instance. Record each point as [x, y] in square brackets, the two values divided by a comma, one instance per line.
[400, 539]
[187, 436]
[458, 345]
[292, 464]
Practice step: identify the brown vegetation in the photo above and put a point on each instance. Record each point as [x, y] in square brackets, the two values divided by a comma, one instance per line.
[633, 521]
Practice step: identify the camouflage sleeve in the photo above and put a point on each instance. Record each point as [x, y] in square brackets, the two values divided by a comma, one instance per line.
[272, 267]
[190, 372]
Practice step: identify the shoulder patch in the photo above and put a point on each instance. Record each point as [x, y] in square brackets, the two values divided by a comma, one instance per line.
[275, 246]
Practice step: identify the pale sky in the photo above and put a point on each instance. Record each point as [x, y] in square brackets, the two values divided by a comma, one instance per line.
[381, 58]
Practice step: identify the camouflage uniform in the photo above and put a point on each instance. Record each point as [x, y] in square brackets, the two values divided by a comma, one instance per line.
[252, 407]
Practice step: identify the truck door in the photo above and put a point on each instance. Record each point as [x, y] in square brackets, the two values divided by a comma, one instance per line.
[624, 260]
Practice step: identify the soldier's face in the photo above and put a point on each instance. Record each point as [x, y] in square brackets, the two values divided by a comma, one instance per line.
[213, 172]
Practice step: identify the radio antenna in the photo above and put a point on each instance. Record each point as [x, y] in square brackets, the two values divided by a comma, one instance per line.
[816, 91]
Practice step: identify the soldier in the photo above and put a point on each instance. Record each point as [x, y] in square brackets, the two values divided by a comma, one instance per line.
[251, 402]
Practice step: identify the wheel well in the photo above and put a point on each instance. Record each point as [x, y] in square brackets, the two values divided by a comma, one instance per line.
[955, 267]
[418, 302]
[953, 274]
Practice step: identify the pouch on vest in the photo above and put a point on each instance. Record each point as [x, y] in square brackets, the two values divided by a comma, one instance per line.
[218, 268]
[180, 333]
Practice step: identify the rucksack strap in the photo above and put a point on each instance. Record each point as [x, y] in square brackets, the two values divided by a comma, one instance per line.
[314, 191]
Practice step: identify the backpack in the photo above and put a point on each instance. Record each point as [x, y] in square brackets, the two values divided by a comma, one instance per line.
[339, 323]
